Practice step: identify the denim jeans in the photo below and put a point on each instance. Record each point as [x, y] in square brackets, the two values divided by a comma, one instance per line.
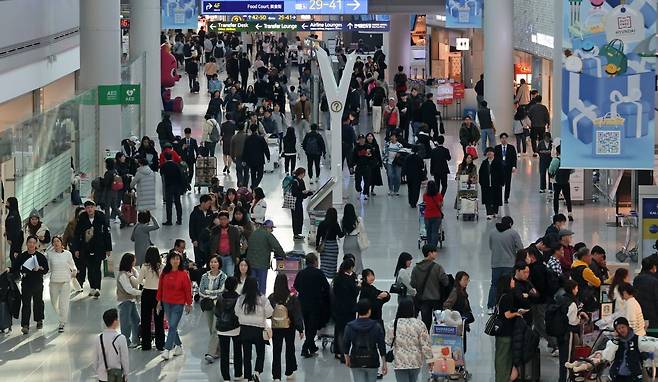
[364, 375]
[496, 273]
[487, 134]
[407, 375]
[174, 313]
[129, 321]
[432, 226]
[261, 277]
[228, 265]
[393, 173]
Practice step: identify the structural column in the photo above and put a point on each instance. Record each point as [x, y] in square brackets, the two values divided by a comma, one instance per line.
[100, 62]
[499, 62]
[145, 39]
[399, 46]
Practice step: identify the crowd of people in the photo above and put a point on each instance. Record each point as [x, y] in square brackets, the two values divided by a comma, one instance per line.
[224, 270]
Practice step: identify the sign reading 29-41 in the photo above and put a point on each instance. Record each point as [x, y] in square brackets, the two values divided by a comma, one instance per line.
[291, 7]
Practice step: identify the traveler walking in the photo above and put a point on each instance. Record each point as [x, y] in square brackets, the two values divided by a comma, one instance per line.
[174, 187]
[237, 148]
[540, 120]
[504, 242]
[431, 117]
[286, 320]
[35, 227]
[227, 131]
[149, 278]
[189, 153]
[507, 312]
[490, 176]
[376, 164]
[314, 147]
[365, 345]
[345, 289]
[259, 252]
[211, 285]
[92, 243]
[299, 191]
[254, 154]
[174, 295]
[326, 242]
[127, 293]
[561, 184]
[439, 158]
[13, 230]
[32, 265]
[314, 296]
[433, 215]
[62, 270]
[506, 154]
[252, 310]
[544, 148]
[485, 119]
[402, 275]
[289, 153]
[356, 237]
[415, 172]
[393, 163]
[428, 278]
[228, 330]
[111, 350]
[224, 242]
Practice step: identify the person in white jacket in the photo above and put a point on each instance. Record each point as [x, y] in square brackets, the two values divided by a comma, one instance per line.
[111, 348]
[127, 293]
[632, 309]
[62, 271]
[252, 311]
[258, 207]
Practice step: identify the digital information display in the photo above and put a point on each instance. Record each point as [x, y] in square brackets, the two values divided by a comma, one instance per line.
[292, 7]
[293, 26]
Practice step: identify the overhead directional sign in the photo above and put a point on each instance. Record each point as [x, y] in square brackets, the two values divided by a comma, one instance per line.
[293, 7]
[293, 26]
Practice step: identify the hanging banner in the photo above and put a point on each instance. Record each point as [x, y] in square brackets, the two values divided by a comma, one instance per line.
[608, 84]
[179, 14]
[464, 13]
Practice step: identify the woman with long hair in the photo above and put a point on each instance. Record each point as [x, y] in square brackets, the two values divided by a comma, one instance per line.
[127, 294]
[174, 296]
[211, 285]
[258, 207]
[252, 311]
[242, 272]
[410, 341]
[69, 231]
[433, 215]
[62, 271]
[289, 152]
[402, 272]
[621, 276]
[230, 201]
[13, 229]
[376, 165]
[458, 300]
[149, 277]
[284, 324]
[326, 242]
[345, 288]
[353, 228]
[504, 368]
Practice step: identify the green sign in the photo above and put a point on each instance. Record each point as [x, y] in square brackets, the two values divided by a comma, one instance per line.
[128, 94]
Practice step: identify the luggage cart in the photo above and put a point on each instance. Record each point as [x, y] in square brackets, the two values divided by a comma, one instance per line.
[205, 169]
[290, 265]
[422, 230]
[467, 199]
[448, 362]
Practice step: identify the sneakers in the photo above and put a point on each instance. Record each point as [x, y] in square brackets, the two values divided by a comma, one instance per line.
[542, 191]
[39, 325]
[167, 223]
[133, 345]
[92, 292]
[60, 328]
[178, 350]
[97, 294]
[489, 217]
[166, 355]
[256, 376]
[209, 358]
[290, 377]
[298, 237]
[555, 353]
[570, 218]
[25, 329]
[365, 196]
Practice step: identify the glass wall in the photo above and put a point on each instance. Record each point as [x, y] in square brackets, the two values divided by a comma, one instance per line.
[16, 110]
[133, 72]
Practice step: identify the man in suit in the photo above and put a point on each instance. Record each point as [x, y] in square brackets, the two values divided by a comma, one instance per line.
[174, 181]
[439, 158]
[189, 153]
[506, 153]
[254, 154]
[490, 183]
[428, 114]
[92, 243]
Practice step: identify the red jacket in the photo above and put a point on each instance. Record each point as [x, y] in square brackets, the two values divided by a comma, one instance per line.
[174, 155]
[175, 287]
[433, 206]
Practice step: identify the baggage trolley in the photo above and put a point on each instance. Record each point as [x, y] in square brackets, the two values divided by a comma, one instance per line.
[448, 363]
[326, 337]
[290, 265]
[273, 146]
[205, 170]
[467, 199]
[422, 230]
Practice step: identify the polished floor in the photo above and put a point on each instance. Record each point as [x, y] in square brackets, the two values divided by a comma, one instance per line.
[392, 226]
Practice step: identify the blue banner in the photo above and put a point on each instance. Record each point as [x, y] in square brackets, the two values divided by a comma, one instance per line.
[290, 7]
[179, 14]
[608, 84]
[464, 13]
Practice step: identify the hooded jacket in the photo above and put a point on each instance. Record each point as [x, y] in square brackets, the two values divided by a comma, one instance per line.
[431, 291]
[504, 242]
[374, 330]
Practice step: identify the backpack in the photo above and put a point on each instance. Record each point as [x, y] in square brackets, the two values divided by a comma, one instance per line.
[364, 352]
[313, 146]
[214, 133]
[226, 319]
[556, 320]
[286, 184]
[280, 316]
[218, 52]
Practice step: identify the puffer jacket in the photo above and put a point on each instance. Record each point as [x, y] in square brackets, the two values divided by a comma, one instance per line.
[525, 342]
[144, 182]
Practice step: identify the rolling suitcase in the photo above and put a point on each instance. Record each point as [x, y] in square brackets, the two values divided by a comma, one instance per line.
[5, 316]
[195, 87]
[129, 213]
[531, 370]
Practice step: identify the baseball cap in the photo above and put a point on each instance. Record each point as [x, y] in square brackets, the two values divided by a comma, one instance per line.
[564, 232]
[268, 224]
[620, 321]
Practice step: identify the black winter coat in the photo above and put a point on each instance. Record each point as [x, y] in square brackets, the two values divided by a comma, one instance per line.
[101, 240]
[345, 293]
[646, 293]
[371, 292]
[173, 177]
[525, 342]
[255, 151]
[314, 294]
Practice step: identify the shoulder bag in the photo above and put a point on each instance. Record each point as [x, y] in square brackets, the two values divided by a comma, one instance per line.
[113, 375]
[398, 288]
[362, 237]
[495, 323]
[390, 356]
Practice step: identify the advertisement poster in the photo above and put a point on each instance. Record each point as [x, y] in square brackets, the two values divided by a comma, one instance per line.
[649, 225]
[464, 13]
[608, 84]
[179, 14]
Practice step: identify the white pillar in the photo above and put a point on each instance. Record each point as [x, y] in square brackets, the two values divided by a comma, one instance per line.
[557, 70]
[499, 62]
[145, 38]
[100, 62]
[399, 46]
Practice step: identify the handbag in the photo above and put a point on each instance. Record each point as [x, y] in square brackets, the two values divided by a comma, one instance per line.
[398, 288]
[267, 333]
[207, 304]
[495, 323]
[113, 375]
[614, 54]
[320, 247]
[117, 184]
[362, 238]
[390, 356]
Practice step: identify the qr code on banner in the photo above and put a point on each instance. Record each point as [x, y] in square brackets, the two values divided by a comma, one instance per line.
[608, 142]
